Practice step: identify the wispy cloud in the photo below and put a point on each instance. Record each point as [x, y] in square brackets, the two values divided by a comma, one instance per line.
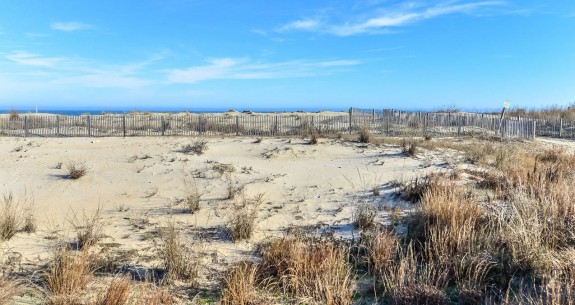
[70, 26]
[241, 68]
[386, 18]
[30, 59]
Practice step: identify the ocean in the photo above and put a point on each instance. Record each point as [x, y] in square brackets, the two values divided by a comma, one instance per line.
[169, 110]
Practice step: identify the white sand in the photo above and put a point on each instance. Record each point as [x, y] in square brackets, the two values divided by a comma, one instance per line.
[139, 182]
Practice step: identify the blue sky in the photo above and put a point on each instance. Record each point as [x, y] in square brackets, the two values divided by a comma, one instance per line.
[200, 54]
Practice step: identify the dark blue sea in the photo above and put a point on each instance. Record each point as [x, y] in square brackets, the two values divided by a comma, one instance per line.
[95, 111]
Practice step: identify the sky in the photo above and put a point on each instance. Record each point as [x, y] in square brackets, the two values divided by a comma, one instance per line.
[223, 54]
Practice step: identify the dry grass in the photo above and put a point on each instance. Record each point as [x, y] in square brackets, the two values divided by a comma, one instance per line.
[231, 190]
[410, 147]
[76, 170]
[197, 147]
[242, 221]
[310, 268]
[10, 218]
[192, 200]
[364, 216]
[117, 293]
[68, 275]
[88, 228]
[365, 135]
[240, 285]
[9, 288]
[177, 256]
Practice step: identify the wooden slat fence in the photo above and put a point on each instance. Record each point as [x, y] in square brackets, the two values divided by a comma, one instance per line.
[384, 122]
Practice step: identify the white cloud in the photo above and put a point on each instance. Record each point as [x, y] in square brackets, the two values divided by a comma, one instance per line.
[70, 26]
[386, 18]
[232, 68]
[29, 59]
[302, 25]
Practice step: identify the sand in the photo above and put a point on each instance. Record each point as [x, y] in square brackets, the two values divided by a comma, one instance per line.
[138, 186]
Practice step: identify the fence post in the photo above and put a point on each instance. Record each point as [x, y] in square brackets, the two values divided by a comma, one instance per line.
[26, 126]
[124, 124]
[237, 125]
[425, 124]
[163, 126]
[561, 128]
[89, 125]
[350, 116]
[373, 116]
[58, 125]
[534, 129]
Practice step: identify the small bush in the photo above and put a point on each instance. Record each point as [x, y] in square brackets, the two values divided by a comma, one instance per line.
[314, 139]
[364, 216]
[14, 115]
[410, 147]
[243, 219]
[196, 147]
[76, 171]
[177, 257]
[365, 135]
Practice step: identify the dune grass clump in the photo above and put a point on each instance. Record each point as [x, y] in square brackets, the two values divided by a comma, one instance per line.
[177, 256]
[242, 221]
[364, 216]
[309, 268]
[240, 285]
[9, 289]
[410, 147]
[76, 170]
[192, 199]
[365, 135]
[68, 275]
[196, 147]
[117, 293]
[9, 218]
[88, 228]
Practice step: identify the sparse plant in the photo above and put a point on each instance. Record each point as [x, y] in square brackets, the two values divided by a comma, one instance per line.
[242, 222]
[13, 115]
[364, 216]
[197, 147]
[177, 257]
[76, 170]
[192, 200]
[314, 138]
[310, 268]
[9, 218]
[240, 285]
[58, 165]
[9, 288]
[117, 293]
[68, 274]
[29, 222]
[231, 191]
[365, 135]
[410, 147]
[88, 228]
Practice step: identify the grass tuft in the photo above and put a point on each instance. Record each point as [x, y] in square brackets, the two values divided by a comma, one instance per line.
[76, 170]
[242, 221]
[177, 257]
[196, 147]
